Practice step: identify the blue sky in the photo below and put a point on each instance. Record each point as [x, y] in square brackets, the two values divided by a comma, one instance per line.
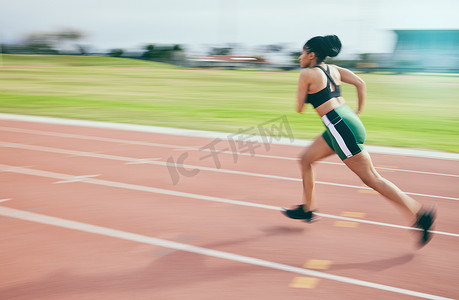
[362, 25]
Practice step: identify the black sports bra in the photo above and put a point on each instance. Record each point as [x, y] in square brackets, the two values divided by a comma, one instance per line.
[325, 94]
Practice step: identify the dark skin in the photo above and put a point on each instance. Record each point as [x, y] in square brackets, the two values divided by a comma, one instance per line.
[313, 80]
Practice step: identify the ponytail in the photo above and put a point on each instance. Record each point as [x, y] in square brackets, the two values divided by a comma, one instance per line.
[324, 46]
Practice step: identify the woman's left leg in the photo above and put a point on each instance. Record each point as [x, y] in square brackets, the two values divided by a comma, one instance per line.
[318, 150]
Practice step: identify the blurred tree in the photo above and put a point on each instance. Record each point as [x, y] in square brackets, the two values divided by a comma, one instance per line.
[220, 51]
[83, 49]
[68, 35]
[365, 57]
[116, 53]
[149, 53]
[40, 43]
[160, 53]
[274, 48]
[177, 48]
[65, 36]
[51, 42]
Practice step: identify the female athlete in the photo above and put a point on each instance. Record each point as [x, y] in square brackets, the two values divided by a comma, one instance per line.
[319, 84]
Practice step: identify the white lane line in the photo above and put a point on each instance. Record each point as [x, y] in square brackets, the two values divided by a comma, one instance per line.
[190, 148]
[4, 200]
[194, 148]
[76, 179]
[381, 224]
[213, 135]
[141, 161]
[92, 138]
[79, 226]
[161, 163]
[34, 172]
[397, 170]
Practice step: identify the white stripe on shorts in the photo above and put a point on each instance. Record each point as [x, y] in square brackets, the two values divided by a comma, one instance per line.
[337, 136]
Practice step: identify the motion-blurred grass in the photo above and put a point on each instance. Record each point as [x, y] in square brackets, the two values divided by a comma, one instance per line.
[79, 61]
[403, 111]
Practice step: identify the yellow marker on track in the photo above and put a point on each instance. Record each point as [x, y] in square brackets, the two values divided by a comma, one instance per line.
[304, 282]
[353, 214]
[367, 191]
[318, 264]
[347, 224]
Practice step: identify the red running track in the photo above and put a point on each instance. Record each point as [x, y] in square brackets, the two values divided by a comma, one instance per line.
[91, 213]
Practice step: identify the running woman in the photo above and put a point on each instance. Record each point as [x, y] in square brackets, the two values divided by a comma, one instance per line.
[319, 84]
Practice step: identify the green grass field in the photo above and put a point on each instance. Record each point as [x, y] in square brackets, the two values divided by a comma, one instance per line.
[403, 111]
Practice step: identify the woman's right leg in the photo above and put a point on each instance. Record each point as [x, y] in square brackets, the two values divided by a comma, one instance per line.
[362, 165]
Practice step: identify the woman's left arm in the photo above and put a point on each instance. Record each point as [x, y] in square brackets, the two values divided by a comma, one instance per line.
[348, 76]
[302, 91]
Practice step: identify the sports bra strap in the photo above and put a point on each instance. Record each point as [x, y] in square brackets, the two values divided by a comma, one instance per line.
[328, 75]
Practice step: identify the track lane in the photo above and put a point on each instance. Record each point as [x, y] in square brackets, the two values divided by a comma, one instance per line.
[278, 193]
[110, 167]
[256, 165]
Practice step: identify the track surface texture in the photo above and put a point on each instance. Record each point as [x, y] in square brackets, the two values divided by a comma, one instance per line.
[106, 213]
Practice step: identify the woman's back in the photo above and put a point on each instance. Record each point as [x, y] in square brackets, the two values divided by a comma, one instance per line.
[319, 80]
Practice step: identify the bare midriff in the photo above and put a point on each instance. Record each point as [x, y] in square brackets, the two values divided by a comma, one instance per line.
[330, 105]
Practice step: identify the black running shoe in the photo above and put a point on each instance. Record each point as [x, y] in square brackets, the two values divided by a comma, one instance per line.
[425, 220]
[298, 213]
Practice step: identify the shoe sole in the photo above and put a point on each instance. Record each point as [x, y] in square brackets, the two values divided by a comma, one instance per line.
[312, 220]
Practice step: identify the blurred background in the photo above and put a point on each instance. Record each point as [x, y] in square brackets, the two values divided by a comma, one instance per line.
[377, 35]
[406, 51]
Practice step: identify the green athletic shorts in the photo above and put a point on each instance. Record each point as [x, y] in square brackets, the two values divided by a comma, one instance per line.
[345, 133]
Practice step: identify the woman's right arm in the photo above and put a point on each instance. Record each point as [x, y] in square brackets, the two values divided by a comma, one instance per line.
[302, 91]
[349, 77]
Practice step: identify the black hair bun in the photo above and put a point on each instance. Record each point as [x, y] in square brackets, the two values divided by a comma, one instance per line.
[332, 44]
